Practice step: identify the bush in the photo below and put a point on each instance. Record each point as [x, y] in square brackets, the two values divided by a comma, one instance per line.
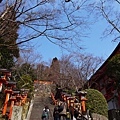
[96, 102]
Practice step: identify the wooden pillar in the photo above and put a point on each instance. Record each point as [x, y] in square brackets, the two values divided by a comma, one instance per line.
[68, 102]
[11, 107]
[72, 99]
[83, 100]
[2, 81]
[6, 101]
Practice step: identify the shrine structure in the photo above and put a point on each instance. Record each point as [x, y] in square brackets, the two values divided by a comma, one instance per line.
[103, 83]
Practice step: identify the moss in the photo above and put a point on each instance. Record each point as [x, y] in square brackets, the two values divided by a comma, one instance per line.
[96, 102]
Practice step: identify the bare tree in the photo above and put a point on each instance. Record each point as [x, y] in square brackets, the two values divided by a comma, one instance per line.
[29, 58]
[62, 23]
[87, 64]
[67, 70]
[42, 71]
[28, 55]
[77, 68]
[54, 20]
[109, 10]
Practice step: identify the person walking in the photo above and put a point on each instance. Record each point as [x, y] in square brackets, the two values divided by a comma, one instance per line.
[56, 113]
[68, 115]
[47, 108]
[62, 114]
[45, 113]
[71, 110]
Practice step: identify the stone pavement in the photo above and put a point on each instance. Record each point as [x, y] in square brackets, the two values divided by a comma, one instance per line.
[41, 99]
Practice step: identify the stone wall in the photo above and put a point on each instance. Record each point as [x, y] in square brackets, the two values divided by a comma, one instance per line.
[17, 113]
[98, 117]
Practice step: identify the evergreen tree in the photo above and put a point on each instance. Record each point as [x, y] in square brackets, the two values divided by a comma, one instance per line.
[8, 37]
[54, 72]
[96, 102]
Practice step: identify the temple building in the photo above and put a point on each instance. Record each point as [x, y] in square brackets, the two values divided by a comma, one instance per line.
[106, 84]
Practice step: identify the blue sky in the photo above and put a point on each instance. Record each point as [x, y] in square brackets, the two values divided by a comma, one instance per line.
[101, 47]
[93, 45]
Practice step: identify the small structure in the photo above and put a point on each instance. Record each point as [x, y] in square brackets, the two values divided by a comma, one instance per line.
[103, 83]
[8, 91]
[12, 100]
[4, 76]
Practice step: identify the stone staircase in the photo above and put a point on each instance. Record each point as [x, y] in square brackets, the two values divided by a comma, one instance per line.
[41, 99]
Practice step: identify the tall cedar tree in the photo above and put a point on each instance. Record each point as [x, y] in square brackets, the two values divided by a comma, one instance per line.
[54, 72]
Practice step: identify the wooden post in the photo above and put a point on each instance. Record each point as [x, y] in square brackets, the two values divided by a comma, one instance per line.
[6, 101]
[83, 104]
[13, 98]
[68, 102]
[8, 91]
[2, 80]
[64, 98]
[72, 99]
[83, 100]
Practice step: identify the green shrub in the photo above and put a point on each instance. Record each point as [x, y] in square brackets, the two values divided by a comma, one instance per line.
[96, 102]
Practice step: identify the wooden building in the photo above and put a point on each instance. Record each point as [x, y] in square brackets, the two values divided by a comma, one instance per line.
[105, 84]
